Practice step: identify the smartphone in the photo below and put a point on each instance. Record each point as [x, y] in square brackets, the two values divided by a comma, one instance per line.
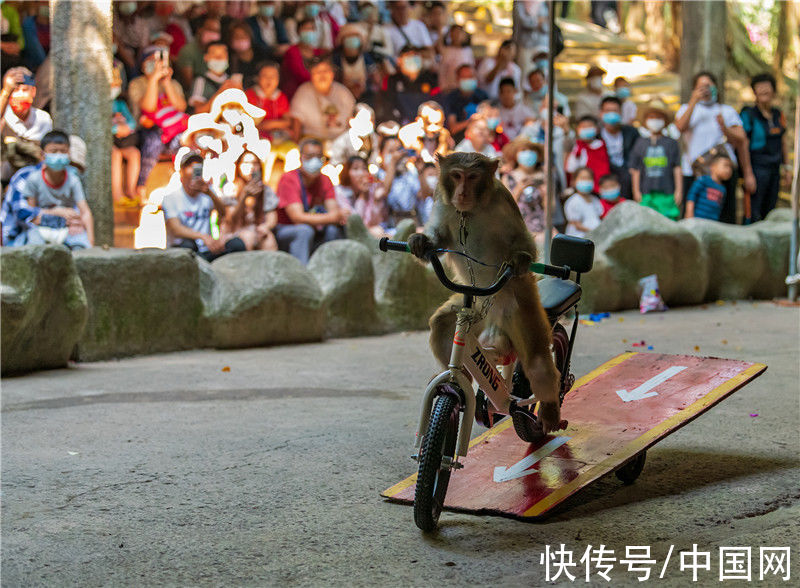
[197, 171]
[165, 57]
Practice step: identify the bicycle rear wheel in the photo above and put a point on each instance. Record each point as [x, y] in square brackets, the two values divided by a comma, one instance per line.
[432, 478]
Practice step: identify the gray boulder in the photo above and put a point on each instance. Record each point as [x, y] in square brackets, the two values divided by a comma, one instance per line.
[140, 302]
[775, 240]
[736, 258]
[43, 307]
[779, 215]
[343, 269]
[601, 287]
[256, 298]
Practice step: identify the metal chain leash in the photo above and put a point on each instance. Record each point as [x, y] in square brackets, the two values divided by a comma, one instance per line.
[486, 302]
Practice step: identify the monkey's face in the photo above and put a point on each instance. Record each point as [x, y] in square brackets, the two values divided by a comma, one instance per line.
[466, 179]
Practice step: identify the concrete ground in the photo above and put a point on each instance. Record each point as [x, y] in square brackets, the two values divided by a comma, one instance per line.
[264, 467]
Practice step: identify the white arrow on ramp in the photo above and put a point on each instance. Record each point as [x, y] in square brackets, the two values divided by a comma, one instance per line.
[520, 469]
[645, 390]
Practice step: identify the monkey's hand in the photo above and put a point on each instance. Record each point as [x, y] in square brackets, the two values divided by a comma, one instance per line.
[521, 263]
[420, 244]
[550, 415]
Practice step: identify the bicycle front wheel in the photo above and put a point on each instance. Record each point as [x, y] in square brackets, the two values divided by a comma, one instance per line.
[432, 478]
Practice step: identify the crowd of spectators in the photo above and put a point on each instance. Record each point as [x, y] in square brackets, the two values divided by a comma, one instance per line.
[368, 93]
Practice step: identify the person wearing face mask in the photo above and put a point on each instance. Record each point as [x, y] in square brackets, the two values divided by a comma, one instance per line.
[190, 62]
[294, 68]
[655, 165]
[57, 192]
[379, 42]
[404, 30]
[619, 139]
[460, 104]
[489, 112]
[610, 193]
[526, 182]
[323, 22]
[243, 55]
[356, 69]
[536, 93]
[22, 125]
[512, 112]
[455, 51]
[588, 101]
[493, 70]
[408, 88]
[269, 33]
[622, 90]
[710, 126]
[359, 193]
[589, 151]
[308, 214]
[216, 79]
[583, 209]
[477, 138]
[435, 18]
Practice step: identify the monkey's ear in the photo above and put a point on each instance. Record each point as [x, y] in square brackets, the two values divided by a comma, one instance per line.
[493, 164]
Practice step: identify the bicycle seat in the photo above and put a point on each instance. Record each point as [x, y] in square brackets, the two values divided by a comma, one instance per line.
[558, 296]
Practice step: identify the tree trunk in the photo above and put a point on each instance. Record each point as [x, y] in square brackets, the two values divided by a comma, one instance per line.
[703, 43]
[781, 44]
[672, 49]
[634, 21]
[82, 64]
[655, 28]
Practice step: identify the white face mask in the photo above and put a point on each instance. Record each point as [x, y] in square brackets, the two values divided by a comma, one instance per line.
[596, 83]
[654, 124]
[432, 182]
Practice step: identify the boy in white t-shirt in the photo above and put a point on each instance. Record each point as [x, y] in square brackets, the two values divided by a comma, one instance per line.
[583, 209]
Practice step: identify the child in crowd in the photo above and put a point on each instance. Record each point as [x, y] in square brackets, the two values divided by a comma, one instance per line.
[707, 193]
[622, 90]
[589, 151]
[583, 209]
[609, 193]
[277, 125]
[59, 194]
[125, 147]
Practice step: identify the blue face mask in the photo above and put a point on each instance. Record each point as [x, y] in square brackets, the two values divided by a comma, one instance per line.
[56, 161]
[312, 10]
[612, 118]
[352, 42]
[412, 64]
[312, 166]
[588, 133]
[267, 11]
[527, 158]
[540, 93]
[623, 93]
[493, 123]
[543, 64]
[468, 85]
[714, 94]
[309, 38]
[611, 194]
[584, 186]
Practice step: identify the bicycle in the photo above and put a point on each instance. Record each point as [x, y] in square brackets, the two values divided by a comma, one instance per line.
[450, 405]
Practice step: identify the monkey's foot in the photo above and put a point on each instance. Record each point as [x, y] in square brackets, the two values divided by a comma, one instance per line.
[528, 428]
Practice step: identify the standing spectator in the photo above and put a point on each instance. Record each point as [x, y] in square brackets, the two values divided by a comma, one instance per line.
[216, 80]
[610, 194]
[765, 126]
[622, 90]
[619, 139]
[125, 148]
[322, 105]
[477, 138]
[708, 125]
[404, 30]
[655, 165]
[460, 104]
[455, 52]
[536, 96]
[526, 182]
[295, 68]
[53, 189]
[589, 151]
[22, 125]
[379, 41]
[513, 113]
[324, 24]
[408, 88]
[493, 70]
[357, 193]
[269, 33]
[436, 20]
[583, 209]
[706, 197]
[190, 62]
[244, 57]
[277, 125]
[588, 101]
[13, 41]
[187, 212]
[531, 28]
[356, 68]
[308, 214]
[254, 215]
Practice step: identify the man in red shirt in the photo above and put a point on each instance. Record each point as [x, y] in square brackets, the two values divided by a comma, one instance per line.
[277, 125]
[308, 215]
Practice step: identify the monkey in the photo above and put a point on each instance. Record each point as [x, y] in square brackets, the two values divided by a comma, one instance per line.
[495, 233]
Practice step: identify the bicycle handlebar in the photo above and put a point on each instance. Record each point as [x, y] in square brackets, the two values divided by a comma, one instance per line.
[540, 268]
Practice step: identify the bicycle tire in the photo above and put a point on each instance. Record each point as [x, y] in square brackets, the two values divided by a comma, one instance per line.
[432, 479]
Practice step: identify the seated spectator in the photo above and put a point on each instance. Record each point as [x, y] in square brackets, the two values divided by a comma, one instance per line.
[589, 151]
[160, 101]
[460, 104]
[477, 138]
[706, 197]
[655, 165]
[497, 134]
[622, 90]
[512, 112]
[277, 125]
[308, 214]
[436, 20]
[583, 209]
[357, 193]
[455, 51]
[587, 103]
[356, 68]
[125, 148]
[16, 213]
[295, 66]
[404, 30]
[536, 94]
[619, 139]
[322, 105]
[493, 70]
[359, 140]
[244, 57]
[13, 40]
[269, 33]
[22, 125]
[190, 62]
[400, 181]
[526, 182]
[409, 87]
[609, 192]
[324, 24]
[379, 42]
[187, 212]
[58, 193]
[254, 215]
[216, 80]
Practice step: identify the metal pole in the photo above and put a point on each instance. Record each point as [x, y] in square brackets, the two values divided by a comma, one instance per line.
[548, 143]
[792, 293]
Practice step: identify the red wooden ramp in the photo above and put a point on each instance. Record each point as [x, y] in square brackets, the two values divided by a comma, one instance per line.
[621, 408]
